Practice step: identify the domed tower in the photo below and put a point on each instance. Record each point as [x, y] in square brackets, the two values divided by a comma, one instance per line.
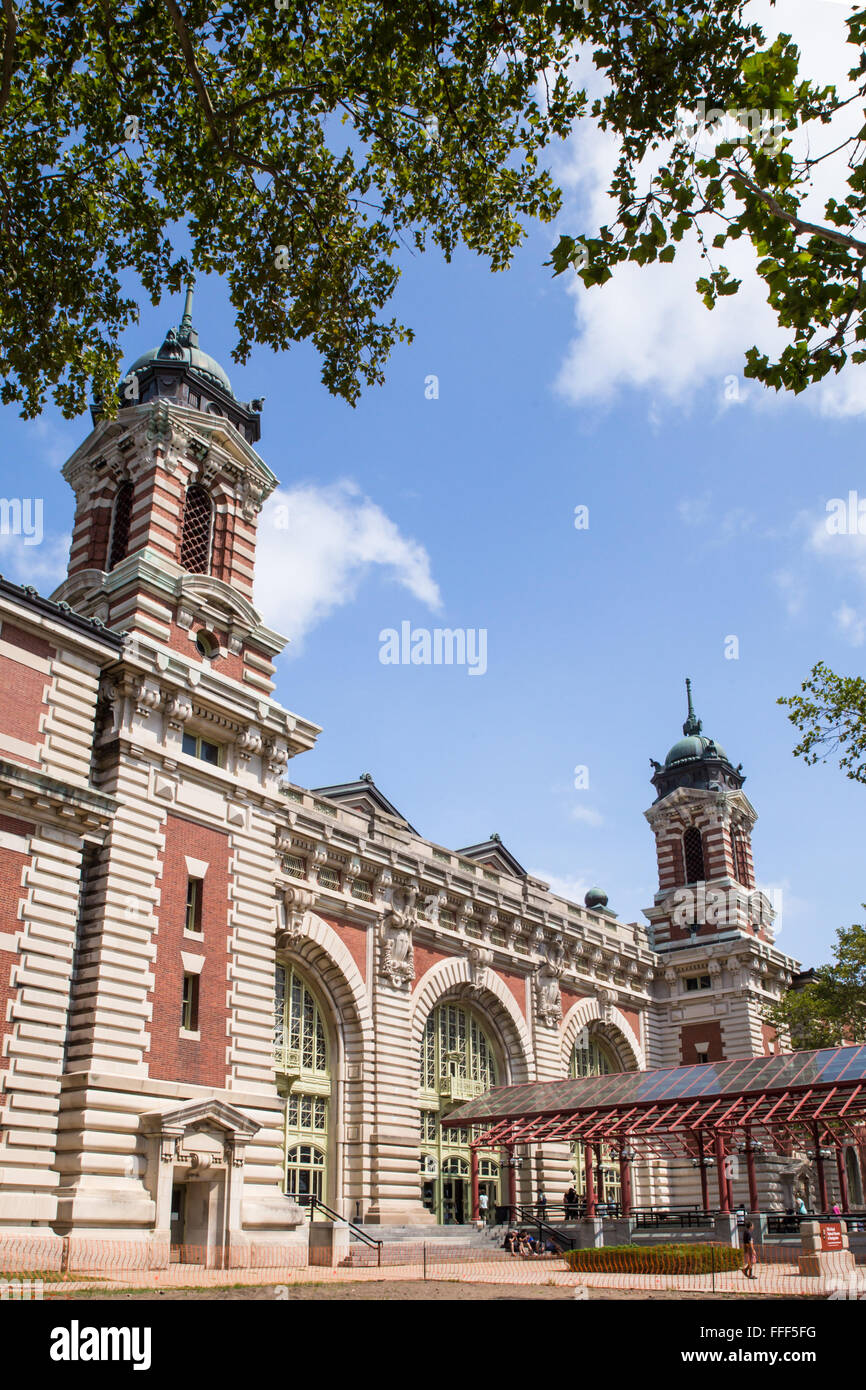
[168, 496]
[703, 823]
[711, 927]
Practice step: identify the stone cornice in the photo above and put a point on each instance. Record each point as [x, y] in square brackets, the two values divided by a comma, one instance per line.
[28, 791]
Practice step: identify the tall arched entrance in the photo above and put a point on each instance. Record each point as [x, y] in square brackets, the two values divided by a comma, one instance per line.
[594, 1055]
[301, 1059]
[458, 1062]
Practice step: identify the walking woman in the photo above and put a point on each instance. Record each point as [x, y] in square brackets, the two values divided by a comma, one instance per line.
[750, 1254]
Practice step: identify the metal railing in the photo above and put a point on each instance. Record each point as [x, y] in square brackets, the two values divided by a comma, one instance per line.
[531, 1216]
[788, 1223]
[316, 1204]
[683, 1218]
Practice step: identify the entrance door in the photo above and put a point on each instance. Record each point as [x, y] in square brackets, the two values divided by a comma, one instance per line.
[178, 1202]
[455, 1200]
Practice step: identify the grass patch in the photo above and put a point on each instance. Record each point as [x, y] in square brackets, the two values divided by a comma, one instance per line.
[659, 1259]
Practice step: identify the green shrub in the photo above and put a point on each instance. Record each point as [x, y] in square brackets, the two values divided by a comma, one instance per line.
[658, 1259]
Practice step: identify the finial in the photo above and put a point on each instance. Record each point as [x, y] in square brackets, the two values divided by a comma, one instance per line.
[186, 321]
[692, 724]
[365, 777]
[186, 333]
[497, 838]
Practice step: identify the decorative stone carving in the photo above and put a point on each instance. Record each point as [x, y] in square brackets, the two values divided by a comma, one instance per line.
[606, 1002]
[276, 755]
[432, 905]
[480, 958]
[159, 428]
[147, 697]
[548, 1000]
[178, 709]
[398, 954]
[296, 904]
[247, 744]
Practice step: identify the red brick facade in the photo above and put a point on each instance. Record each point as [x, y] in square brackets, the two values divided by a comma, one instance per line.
[22, 689]
[355, 940]
[709, 1032]
[171, 1056]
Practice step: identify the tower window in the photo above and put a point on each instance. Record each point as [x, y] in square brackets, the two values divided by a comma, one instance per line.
[189, 1008]
[194, 888]
[120, 524]
[693, 851]
[196, 535]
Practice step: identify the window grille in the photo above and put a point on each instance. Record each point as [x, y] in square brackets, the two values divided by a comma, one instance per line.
[694, 855]
[120, 525]
[196, 535]
[363, 888]
[329, 878]
[294, 866]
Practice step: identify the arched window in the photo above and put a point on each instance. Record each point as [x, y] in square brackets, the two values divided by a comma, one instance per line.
[693, 850]
[593, 1056]
[304, 1078]
[120, 522]
[457, 1063]
[196, 536]
[305, 1173]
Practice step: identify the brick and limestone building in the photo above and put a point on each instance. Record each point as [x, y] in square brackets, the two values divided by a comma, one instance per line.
[221, 992]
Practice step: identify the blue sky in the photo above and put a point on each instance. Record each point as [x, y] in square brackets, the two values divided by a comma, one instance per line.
[706, 521]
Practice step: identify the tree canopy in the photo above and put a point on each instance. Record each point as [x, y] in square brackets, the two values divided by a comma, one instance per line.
[299, 147]
[830, 713]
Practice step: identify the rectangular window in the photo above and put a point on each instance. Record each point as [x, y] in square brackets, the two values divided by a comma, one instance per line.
[202, 749]
[294, 866]
[189, 1012]
[194, 889]
[363, 888]
[698, 982]
[329, 878]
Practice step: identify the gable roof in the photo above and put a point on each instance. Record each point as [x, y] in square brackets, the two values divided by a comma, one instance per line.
[493, 853]
[363, 796]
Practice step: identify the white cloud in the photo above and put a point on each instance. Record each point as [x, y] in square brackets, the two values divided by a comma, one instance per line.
[43, 565]
[586, 815]
[647, 328]
[315, 547]
[792, 589]
[851, 625]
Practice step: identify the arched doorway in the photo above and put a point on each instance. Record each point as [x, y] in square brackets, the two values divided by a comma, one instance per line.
[301, 1059]
[458, 1062]
[594, 1055]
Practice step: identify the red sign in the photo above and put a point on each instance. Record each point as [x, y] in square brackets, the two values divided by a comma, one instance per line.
[831, 1235]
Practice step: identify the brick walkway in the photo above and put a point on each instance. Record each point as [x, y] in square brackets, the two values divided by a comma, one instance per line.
[770, 1279]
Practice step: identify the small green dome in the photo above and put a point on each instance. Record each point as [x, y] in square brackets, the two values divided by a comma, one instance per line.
[595, 898]
[181, 345]
[694, 746]
[193, 357]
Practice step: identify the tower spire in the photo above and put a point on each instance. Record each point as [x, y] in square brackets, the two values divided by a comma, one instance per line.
[186, 333]
[692, 724]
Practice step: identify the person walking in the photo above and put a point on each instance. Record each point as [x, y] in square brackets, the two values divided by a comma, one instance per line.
[542, 1205]
[750, 1255]
[483, 1206]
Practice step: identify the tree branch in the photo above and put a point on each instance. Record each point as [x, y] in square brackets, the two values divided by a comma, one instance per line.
[188, 51]
[812, 228]
[8, 51]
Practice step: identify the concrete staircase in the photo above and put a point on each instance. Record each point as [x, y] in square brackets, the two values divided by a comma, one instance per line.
[407, 1244]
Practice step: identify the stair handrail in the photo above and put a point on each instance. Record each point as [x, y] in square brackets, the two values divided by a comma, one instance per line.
[528, 1215]
[316, 1204]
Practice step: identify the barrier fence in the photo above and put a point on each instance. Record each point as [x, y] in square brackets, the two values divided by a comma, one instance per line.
[708, 1269]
